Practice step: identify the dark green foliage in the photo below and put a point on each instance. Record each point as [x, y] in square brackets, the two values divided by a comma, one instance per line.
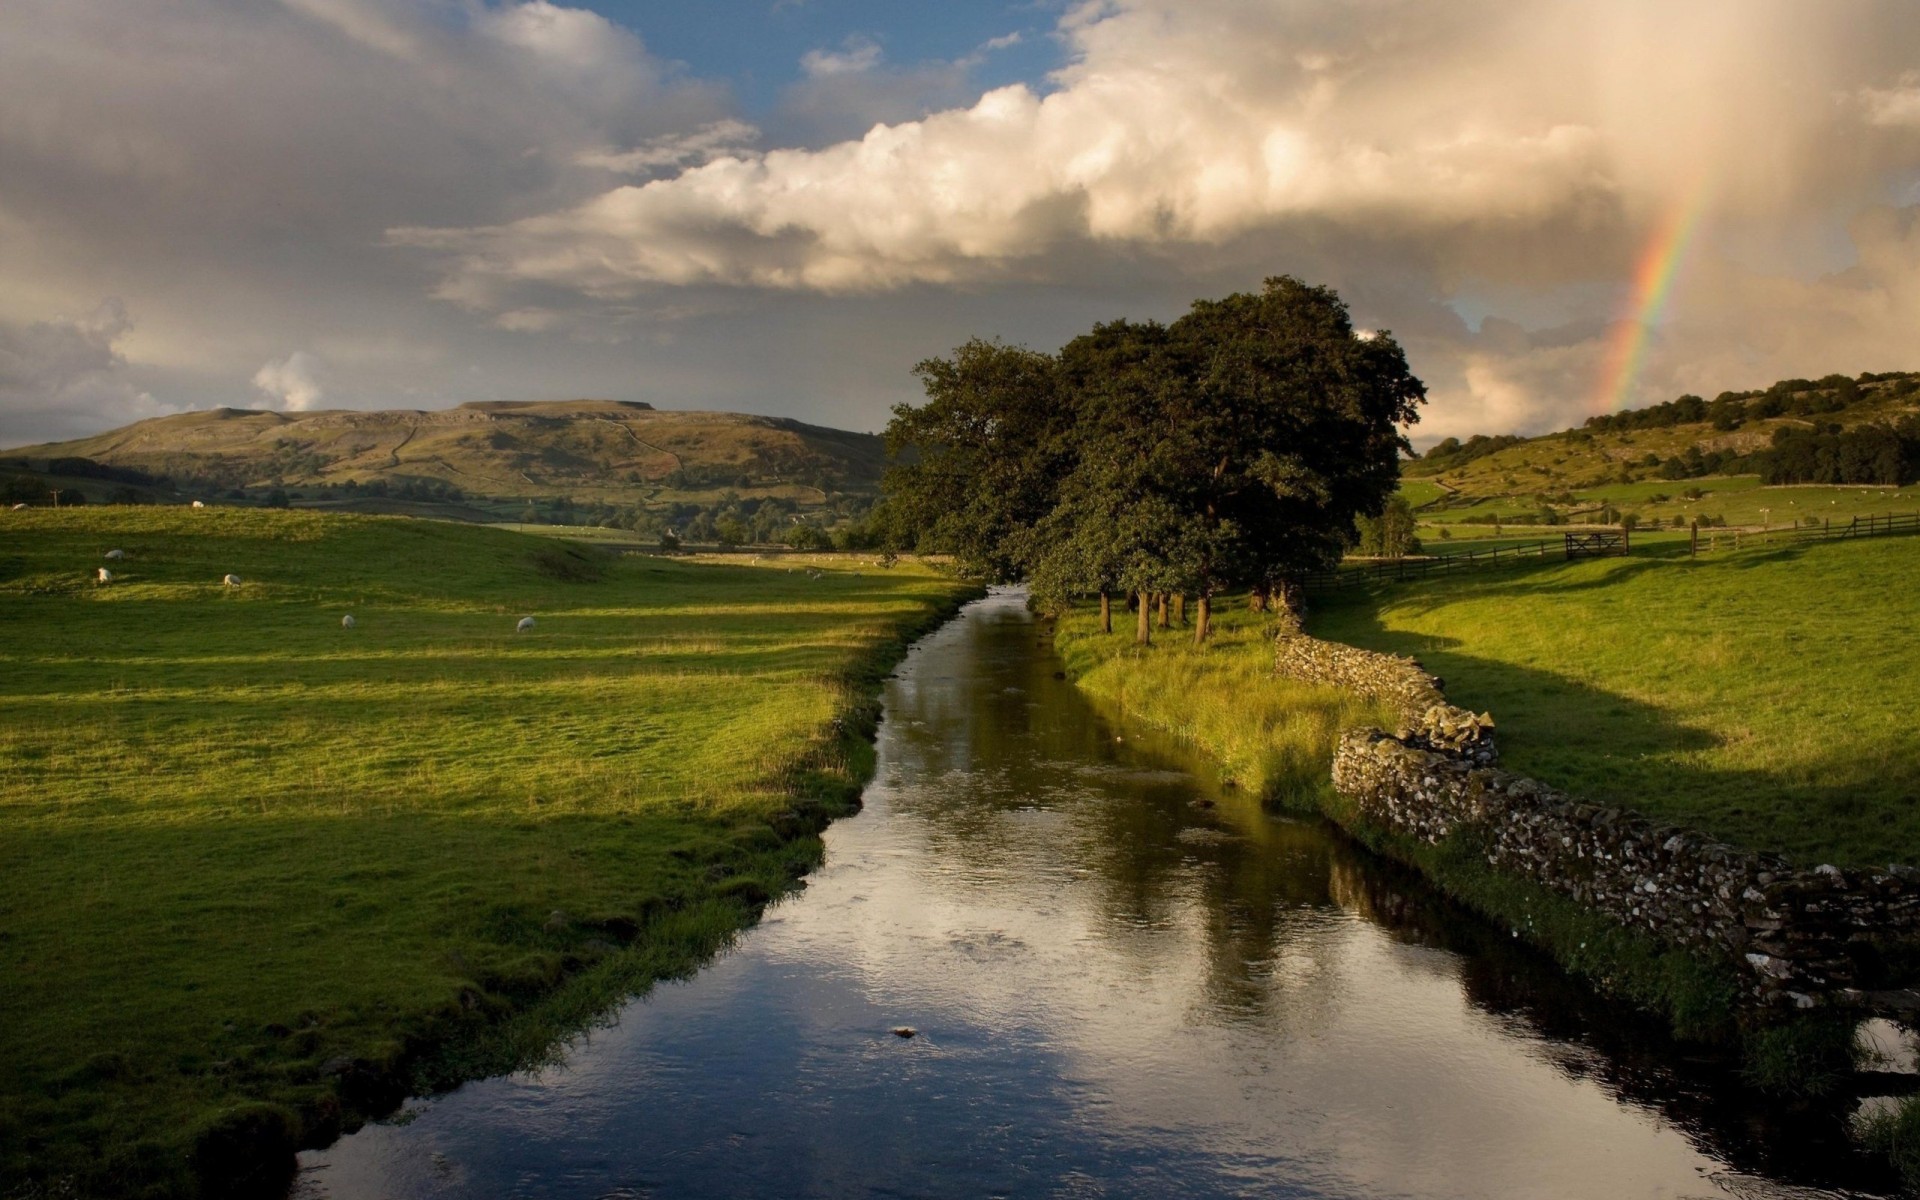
[1808, 1056]
[1452, 452]
[1236, 447]
[807, 537]
[1391, 534]
[1870, 454]
[1788, 397]
[981, 460]
[1896, 1136]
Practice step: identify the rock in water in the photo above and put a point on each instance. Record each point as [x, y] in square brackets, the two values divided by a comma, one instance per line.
[904, 1031]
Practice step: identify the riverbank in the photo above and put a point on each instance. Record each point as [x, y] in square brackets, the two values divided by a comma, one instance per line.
[264, 875]
[1224, 701]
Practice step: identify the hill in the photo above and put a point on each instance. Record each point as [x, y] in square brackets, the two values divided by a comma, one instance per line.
[585, 449]
[1801, 450]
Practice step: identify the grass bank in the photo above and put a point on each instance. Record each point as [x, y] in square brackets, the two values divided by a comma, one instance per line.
[261, 874]
[1276, 737]
[1271, 737]
[1765, 696]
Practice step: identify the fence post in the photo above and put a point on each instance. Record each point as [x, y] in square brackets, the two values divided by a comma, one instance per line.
[1693, 542]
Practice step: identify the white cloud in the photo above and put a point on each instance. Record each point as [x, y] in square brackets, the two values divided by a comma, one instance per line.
[1895, 106]
[292, 383]
[259, 177]
[856, 54]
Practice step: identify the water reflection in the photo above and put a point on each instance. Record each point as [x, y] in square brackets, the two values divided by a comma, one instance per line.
[1126, 982]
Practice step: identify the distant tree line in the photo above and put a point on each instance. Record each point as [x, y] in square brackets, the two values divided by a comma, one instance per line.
[1871, 454]
[1788, 397]
[1455, 453]
[1235, 448]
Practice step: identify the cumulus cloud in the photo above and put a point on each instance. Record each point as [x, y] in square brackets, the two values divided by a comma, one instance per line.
[1198, 122]
[292, 383]
[1480, 146]
[1479, 177]
[64, 377]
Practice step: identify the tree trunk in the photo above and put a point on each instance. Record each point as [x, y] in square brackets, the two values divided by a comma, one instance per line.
[1203, 620]
[1180, 609]
[1257, 599]
[1163, 611]
[1106, 613]
[1144, 634]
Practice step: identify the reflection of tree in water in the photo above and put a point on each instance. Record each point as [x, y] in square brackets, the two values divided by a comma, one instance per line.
[1020, 783]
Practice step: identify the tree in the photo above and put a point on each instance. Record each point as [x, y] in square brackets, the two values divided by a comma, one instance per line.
[729, 531]
[807, 537]
[1391, 534]
[979, 462]
[1235, 448]
[1295, 432]
[669, 541]
[1115, 524]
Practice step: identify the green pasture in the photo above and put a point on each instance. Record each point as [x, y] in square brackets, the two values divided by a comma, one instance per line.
[1764, 696]
[258, 871]
[1271, 737]
[1420, 492]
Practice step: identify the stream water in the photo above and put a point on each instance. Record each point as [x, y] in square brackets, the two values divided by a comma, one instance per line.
[1123, 981]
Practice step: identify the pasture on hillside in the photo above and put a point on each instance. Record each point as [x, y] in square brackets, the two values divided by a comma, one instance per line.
[1764, 696]
[260, 873]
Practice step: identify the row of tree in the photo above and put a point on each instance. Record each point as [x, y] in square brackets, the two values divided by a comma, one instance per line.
[1234, 448]
[1872, 454]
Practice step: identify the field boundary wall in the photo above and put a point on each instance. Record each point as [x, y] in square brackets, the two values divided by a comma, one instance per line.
[1791, 932]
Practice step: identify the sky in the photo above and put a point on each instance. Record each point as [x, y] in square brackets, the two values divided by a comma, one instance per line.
[780, 206]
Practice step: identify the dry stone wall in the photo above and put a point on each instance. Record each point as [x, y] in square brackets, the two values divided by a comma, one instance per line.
[1789, 929]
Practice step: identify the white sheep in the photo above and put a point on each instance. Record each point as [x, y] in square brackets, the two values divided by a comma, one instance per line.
[116, 555]
[346, 622]
[525, 625]
[230, 580]
[104, 576]
[18, 507]
[199, 503]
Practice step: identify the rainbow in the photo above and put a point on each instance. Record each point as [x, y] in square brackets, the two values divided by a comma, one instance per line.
[1653, 277]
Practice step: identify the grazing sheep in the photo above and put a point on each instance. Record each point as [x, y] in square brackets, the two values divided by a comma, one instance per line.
[526, 624]
[116, 555]
[346, 622]
[199, 503]
[231, 580]
[104, 576]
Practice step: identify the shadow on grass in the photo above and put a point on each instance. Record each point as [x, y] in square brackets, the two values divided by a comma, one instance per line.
[1606, 747]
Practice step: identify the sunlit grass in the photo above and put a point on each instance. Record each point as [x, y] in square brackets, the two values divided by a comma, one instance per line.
[239, 842]
[1765, 696]
[1270, 736]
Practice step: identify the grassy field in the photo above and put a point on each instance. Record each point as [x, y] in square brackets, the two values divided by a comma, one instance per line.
[1765, 696]
[258, 872]
[1272, 737]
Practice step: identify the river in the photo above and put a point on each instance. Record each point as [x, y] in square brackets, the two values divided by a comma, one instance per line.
[1122, 980]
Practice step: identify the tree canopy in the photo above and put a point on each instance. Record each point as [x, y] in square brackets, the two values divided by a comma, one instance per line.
[1233, 448]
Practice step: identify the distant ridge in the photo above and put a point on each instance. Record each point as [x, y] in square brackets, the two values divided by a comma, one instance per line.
[580, 447]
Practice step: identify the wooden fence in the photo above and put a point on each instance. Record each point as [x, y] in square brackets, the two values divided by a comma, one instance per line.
[1707, 541]
[1398, 569]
